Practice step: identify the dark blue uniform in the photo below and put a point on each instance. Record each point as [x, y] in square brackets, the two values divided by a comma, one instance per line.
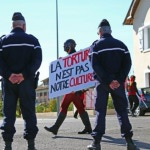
[19, 53]
[110, 60]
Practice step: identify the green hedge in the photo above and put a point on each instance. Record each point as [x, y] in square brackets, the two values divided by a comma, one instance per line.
[110, 103]
[50, 107]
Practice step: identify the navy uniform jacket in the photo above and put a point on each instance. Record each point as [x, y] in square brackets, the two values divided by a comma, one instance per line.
[110, 59]
[19, 53]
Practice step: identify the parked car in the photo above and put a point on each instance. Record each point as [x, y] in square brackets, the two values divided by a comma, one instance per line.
[144, 101]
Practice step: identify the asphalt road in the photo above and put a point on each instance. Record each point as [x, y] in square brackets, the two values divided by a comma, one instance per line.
[68, 139]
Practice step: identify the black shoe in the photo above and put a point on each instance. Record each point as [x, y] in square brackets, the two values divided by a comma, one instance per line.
[85, 131]
[31, 145]
[7, 148]
[132, 146]
[8, 145]
[32, 148]
[75, 116]
[94, 147]
[132, 113]
[51, 129]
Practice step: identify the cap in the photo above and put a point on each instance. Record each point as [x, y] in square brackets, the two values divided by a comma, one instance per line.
[104, 22]
[17, 16]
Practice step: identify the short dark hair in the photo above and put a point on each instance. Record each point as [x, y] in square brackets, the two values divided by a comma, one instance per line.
[70, 43]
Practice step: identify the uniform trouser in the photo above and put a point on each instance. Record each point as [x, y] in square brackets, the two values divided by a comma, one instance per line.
[134, 102]
[120, 104]
[25, 93]
[77, 101]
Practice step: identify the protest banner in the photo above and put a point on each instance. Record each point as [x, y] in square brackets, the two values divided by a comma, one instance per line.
[71, 73]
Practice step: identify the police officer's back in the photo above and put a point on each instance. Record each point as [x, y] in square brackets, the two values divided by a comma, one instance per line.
[20, 58]
[111, 63]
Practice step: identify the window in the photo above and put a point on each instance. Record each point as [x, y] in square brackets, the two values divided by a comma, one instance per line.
[41, 94]
[45, 93]
[144, 38]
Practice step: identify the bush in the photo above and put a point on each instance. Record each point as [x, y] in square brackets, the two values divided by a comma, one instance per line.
[70, 108]
[43, 107]
[39, 108]
[47, 107]
[53, 105]
[50, 107]
[110, 103]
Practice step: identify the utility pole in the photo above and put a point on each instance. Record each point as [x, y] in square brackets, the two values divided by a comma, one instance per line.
[57, 43]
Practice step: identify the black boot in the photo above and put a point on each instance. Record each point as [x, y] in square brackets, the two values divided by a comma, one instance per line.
[55, 127]
[31, 145]
[95, 145]
[86, 121]
[130, 144]
[132, 113]
[76, 114]
[8, 145]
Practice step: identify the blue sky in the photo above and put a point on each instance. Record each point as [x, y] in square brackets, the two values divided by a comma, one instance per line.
[77, 19]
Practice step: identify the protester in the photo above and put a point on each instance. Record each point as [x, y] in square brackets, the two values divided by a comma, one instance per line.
[75, 97]
[132, 95]
[20, 58]
[111, 62]
[76, 112]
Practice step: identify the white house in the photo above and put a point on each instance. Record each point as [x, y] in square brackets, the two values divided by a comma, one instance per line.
[138, 16]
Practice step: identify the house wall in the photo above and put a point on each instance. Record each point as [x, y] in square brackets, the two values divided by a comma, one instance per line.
[141, 60]
[42, 96]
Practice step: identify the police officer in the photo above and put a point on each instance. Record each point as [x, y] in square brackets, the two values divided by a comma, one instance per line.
[111, 62]
[20, 58]
[75, 97]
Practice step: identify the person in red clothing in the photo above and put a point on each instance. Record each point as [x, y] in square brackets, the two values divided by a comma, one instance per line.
[82, 97]
[75, 97]
[132, 95]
